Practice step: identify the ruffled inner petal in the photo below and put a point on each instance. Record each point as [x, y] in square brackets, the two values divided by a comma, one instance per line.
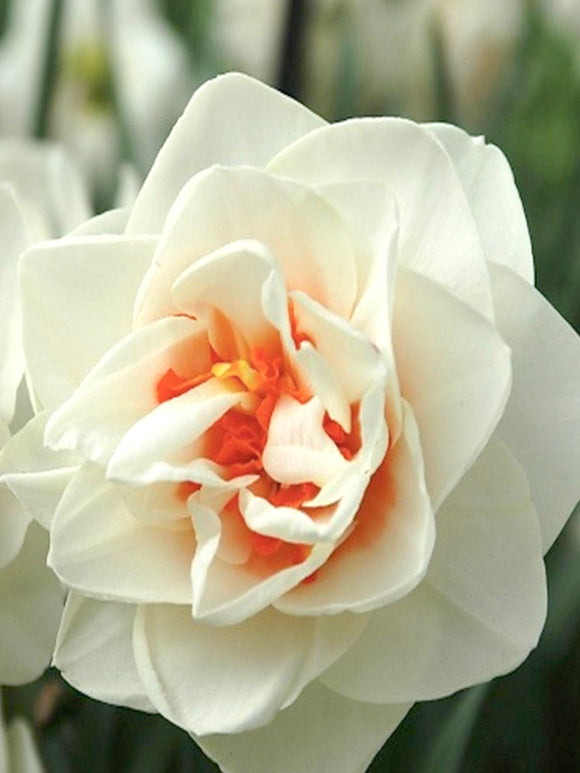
[221, 205]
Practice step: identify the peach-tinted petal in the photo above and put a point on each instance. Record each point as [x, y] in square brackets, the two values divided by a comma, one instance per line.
[388, 550]
[150, 450]
[479, 610]
[298, 450]
[223, 205]
[231, 280]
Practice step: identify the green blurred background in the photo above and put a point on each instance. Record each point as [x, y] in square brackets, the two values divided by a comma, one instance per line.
[506, 69]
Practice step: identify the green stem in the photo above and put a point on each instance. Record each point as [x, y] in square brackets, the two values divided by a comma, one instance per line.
[49, 70]
[4, 14]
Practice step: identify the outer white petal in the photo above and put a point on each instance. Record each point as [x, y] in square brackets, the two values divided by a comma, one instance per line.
[31, 603]
[37, 475]
[489, 186]
[454, 370]
[438, 235]
[388, 551]
[222, 205]
[99, 548]
[66, 286]
[231, 120]
[121, 389]
[207, 679]
[15, 238]
[94, 651]
[541, 423]
[321, 732]
[479, 611]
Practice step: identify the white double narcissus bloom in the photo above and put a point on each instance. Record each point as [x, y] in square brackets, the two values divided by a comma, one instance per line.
[292, 422]
[40, 196]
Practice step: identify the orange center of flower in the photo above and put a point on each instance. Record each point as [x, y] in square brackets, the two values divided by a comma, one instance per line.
[236, 441]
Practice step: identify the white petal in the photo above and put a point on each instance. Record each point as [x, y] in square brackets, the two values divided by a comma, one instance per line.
[94, 651]
[37, 475]
[388, 551]
[231, 120]
[158, 447]
[321, 732]
[454, 370]
[100, 549]
[121, 389]
[480, 609]
[298, 450]
[66, 286]
[438, 235]
[222, 205]
[541, 423]
[30, 608]
[489, 185]
[15, 238]
[207, 679]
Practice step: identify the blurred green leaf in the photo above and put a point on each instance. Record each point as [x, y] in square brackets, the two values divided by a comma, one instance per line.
[444, 101]
[448, 751]
[4, 13]
[49, 73]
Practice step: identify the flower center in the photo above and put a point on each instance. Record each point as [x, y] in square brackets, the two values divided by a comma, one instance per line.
[236, 441]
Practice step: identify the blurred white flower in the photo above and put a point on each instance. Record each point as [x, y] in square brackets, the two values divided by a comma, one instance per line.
[18, 752]
[246, 35]
[564, 15]
[305, 430]
[124, 48]
[390, 48]
[41, 196]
